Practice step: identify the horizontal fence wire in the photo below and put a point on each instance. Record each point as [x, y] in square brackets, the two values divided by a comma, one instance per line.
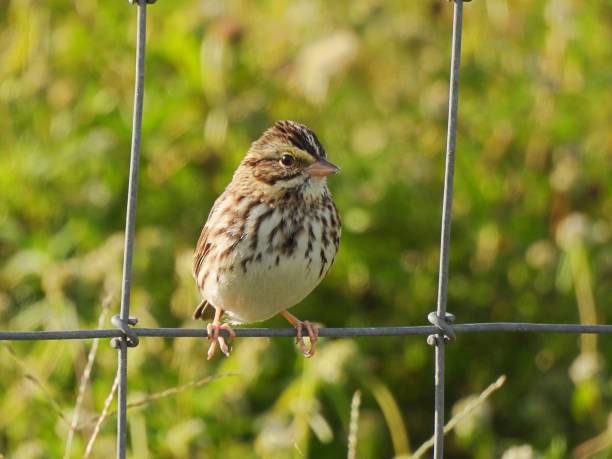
[328, 332]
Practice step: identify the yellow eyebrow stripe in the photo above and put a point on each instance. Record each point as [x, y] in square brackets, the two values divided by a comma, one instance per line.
[303, 156]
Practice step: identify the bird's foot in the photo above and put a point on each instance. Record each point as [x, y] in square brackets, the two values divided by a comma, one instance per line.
[213, 331]
[313, 333]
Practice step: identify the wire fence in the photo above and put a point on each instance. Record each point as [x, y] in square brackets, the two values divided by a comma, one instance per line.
[439, 334]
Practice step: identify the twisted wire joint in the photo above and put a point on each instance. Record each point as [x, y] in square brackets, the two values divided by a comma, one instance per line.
[131, 338]
[444, 327]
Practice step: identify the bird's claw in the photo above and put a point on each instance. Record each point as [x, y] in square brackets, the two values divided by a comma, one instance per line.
[212, 330]
[313, 333]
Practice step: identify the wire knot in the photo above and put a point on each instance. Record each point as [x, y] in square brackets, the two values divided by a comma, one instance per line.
[444, 327]
[129, 334]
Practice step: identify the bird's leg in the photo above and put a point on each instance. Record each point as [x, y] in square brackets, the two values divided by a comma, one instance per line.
[312, 329]
[212, 330]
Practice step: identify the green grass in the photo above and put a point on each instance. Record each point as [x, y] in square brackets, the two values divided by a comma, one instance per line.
[531, 234]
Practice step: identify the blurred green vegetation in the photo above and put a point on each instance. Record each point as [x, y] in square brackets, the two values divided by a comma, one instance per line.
[531, 234]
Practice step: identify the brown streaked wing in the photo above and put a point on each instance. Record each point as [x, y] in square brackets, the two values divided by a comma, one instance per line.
[204, 245]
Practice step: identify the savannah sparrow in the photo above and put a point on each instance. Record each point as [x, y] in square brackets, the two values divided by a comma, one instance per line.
[271, 237]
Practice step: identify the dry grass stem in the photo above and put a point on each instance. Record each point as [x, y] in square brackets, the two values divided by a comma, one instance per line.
[176, 390]
[85, 376]
[159, 395]
[393, 417]
[596, 444]
[96, 431]
[450, 425]
[30, 376]
[354, 425]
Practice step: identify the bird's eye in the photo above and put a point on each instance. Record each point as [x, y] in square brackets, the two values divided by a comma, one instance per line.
[287, 160]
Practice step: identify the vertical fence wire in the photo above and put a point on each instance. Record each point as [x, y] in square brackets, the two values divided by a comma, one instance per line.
[442, 315]
[124, 320]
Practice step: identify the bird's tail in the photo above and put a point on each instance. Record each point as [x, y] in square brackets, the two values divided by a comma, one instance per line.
[201, 310]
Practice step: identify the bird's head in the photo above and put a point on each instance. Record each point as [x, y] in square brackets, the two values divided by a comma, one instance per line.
[288, 156]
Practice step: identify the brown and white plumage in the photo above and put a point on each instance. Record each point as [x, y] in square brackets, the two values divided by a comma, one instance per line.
[272, 235]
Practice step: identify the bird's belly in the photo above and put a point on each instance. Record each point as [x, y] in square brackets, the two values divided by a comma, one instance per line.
[256, 289]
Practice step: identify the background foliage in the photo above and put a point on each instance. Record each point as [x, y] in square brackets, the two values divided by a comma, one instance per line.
[531, 231]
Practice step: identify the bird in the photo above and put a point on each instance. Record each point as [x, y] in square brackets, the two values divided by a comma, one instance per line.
[270, 238]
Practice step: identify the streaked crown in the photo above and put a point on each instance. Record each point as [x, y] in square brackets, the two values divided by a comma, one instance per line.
[293, 133]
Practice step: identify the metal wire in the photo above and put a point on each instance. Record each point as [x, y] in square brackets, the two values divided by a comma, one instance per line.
[440, 333]
[124, 321]
[516, 327]
[441, 318]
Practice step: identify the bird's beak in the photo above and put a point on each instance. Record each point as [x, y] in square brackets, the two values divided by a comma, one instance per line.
[322, 168]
